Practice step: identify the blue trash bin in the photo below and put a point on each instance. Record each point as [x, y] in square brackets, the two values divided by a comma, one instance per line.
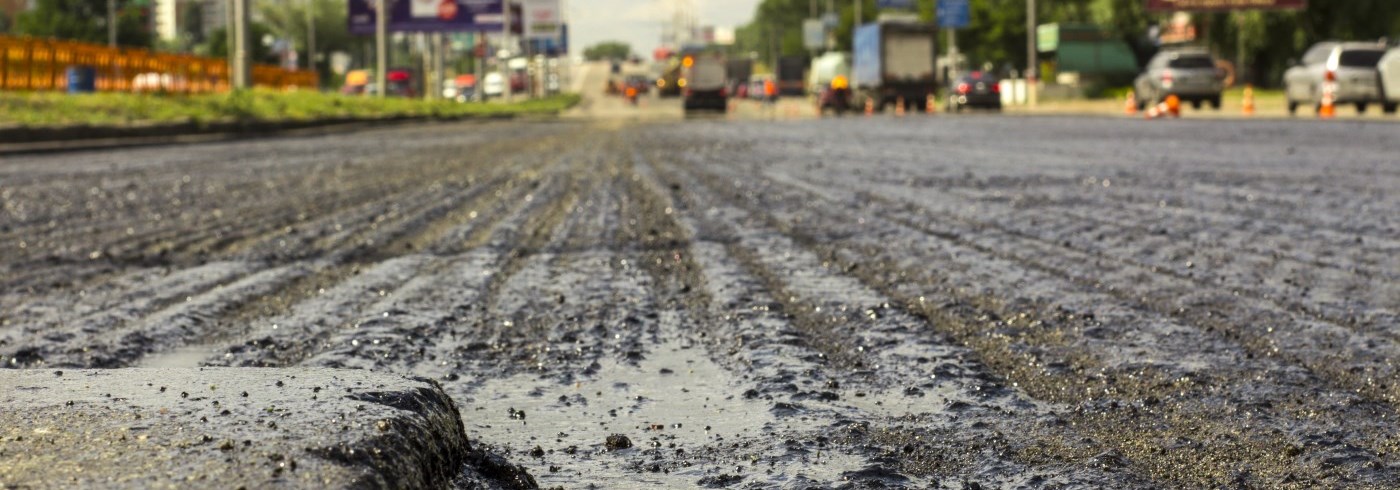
[82, 79]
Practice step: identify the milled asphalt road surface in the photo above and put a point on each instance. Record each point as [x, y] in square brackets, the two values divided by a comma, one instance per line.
[948, 302]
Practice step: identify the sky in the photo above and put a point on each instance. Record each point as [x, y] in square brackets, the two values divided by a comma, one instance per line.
[639, 22]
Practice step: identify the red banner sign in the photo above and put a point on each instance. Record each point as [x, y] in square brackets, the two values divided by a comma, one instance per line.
[1216, 5]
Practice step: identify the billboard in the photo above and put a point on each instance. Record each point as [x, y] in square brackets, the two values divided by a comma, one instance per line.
[556, 46]
[429, 15]
[1209, 5]
[542, 19]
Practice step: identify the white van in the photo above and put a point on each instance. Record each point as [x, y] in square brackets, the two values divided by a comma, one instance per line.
[1390, 80]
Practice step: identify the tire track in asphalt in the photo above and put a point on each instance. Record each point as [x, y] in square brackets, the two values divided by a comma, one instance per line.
[890, 351]
[1278, 447]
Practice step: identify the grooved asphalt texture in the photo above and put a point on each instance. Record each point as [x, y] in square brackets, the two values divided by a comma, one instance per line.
[948, 302]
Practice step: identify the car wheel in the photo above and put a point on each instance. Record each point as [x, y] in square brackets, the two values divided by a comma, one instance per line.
[1292, 108]
[1215, 102]
[1141, 104]
[1360, 107]
[1196, 104]
[1389, 108]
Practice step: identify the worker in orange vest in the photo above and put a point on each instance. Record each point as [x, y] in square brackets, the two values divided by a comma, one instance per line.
[770, 91]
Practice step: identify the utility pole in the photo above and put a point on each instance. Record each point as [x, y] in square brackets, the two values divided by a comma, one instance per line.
[1031, 54]
[311, 35]
[242, 71]
[112, 23]
[503, 57]
[952, 55]
[381, 46]
[439, 60]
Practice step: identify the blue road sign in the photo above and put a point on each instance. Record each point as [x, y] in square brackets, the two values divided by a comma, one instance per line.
[954, 14]
[895, 4]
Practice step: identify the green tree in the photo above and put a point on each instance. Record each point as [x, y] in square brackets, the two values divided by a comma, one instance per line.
[84, 20]
[1264, 40]
[217, 45]
[608, 50]
[288, 20]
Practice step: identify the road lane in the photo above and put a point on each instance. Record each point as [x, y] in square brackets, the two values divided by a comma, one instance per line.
[922, 301]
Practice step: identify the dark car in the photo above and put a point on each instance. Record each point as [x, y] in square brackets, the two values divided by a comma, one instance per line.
[978, 90]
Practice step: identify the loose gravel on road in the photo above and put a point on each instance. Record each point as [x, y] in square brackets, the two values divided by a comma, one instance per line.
[977, 302]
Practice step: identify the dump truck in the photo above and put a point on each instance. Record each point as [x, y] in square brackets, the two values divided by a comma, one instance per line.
[894, 61]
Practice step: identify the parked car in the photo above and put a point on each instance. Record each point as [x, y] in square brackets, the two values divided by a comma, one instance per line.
[493, 85]
[640, 82]
[1389, 68]
[1191, 75]
[976, 90]
[1351, 65]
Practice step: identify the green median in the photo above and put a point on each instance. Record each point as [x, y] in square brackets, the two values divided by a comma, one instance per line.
[49, 109]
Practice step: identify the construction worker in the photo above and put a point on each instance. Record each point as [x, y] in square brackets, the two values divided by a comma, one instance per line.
[770, 91]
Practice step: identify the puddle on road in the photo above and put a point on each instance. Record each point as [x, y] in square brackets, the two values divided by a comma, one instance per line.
[674, 399]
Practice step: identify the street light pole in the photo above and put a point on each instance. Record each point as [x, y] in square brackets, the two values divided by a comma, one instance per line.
[311, 35]
[503, 56]
[1031, 54]
[242, 78]
[112, 23]
[381, 46]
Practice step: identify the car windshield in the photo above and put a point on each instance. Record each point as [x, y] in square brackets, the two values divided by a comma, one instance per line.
[1361, 58]
[1192, 62]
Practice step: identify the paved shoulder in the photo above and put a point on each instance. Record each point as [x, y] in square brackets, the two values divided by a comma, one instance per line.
[252, 428]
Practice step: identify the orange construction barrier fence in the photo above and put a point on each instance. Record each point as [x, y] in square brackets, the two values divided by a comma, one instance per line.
[40, 64]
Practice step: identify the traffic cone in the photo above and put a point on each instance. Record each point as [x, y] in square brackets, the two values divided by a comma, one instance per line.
[1130, 106]
[1248, 100]
[1328, 109]
[1154, 112]
[1173, 106]
[931, 105]
[899, 108]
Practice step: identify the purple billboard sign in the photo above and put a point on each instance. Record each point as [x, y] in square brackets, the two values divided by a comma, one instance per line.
[429, 15]
[1218, 5]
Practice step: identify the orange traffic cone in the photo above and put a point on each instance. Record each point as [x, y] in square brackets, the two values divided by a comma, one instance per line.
[1173, 106]
[931, 105]
[1130, 105]
[1248, 100]
[869, 107]
[1328, 107]
[899, 107]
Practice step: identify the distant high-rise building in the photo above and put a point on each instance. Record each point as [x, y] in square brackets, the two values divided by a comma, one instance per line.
[11, 8]
[173, 16]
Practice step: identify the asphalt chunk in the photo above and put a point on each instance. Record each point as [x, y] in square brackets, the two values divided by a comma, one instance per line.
[263, 428]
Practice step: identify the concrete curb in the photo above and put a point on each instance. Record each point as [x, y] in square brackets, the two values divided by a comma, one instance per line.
[227, 427]
[14, 141]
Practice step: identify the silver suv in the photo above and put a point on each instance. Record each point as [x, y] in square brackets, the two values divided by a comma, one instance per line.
[1190, 74]
[1351, 65]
